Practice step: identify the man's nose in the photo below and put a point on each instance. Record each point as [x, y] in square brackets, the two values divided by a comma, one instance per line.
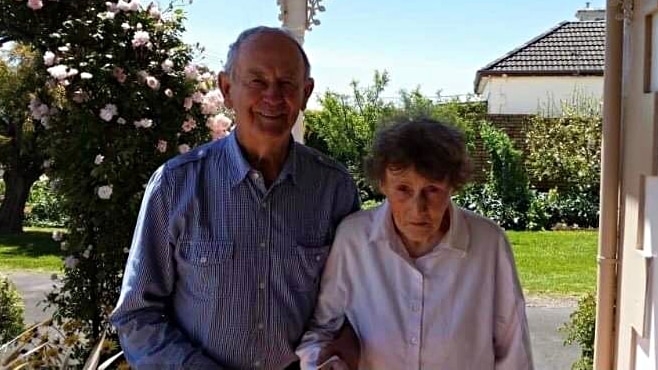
[273, 93]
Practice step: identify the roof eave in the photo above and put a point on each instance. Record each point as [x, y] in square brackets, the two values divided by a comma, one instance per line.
[557, 73]
[580, 72]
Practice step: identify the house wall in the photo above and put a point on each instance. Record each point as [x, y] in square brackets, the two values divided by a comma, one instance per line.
[637, 294]
[645, 353]
[534, 94]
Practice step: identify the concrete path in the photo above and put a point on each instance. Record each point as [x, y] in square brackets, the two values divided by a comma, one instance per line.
[33, 287]
[544, 317]
[548, 351]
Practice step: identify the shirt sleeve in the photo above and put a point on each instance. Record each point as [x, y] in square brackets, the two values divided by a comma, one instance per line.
[511, 335]
[329, 313]
[147, 335]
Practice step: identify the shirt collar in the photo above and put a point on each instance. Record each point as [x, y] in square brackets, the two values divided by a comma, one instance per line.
[290, 166]
[456, 239]
[240, 167]
[238, 164]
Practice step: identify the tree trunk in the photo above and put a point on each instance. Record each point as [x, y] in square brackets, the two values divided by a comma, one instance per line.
[17, 190]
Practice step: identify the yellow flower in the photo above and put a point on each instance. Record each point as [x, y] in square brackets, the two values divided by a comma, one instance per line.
[70, 340]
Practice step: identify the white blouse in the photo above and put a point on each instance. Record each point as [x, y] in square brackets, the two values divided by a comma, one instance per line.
[458, 307]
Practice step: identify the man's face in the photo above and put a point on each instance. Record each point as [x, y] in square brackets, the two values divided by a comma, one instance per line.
[267, 88]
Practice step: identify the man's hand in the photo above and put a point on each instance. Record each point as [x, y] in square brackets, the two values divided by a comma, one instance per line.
[333, 363]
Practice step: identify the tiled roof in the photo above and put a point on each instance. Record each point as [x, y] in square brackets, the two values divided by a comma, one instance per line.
[567, 49]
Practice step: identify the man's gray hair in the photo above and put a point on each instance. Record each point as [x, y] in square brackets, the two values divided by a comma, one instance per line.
[234, 48]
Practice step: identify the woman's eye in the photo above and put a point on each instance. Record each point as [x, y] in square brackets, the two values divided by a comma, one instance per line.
[403, 189]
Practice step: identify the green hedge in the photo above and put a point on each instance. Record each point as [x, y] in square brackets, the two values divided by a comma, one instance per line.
[580, 330]
[11, 310]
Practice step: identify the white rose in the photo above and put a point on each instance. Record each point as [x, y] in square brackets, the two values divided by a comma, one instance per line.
[105, 192]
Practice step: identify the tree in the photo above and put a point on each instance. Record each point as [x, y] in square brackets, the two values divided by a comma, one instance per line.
[22, 141]
[130, 98]
[345, 126]
[467, 115]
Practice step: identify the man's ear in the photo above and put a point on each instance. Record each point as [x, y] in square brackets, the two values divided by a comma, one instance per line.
[224, 82]
[308, 90]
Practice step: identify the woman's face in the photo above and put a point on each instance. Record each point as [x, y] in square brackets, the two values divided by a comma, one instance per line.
[419, 206]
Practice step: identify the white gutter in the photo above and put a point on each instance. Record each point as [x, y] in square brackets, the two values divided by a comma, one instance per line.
[604, 342]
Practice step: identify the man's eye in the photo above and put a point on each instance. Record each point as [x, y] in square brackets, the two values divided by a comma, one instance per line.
[287, 85]
[257, 82]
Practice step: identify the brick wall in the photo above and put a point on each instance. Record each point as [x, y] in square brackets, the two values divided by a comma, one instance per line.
[513, 125]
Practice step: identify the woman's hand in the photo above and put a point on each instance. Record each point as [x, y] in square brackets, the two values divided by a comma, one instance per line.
[333, 363]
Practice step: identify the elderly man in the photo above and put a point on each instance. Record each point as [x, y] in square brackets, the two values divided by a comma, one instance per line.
[231, 239]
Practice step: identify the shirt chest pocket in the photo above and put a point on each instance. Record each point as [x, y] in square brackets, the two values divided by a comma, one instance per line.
[305, 265]
[204, 267]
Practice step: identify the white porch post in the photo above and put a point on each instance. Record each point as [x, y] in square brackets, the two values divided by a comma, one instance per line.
[298, 16]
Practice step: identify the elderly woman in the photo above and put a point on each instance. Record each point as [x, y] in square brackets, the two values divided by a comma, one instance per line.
[425, 284]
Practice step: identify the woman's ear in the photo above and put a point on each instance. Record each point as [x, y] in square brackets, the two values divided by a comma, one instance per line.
[381, 187]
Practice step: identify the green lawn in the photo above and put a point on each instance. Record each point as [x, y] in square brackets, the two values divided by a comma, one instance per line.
[32, 250]
[556, 263]
[550, 263]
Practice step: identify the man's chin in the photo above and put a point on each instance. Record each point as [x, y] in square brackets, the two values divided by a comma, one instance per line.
[274, 127]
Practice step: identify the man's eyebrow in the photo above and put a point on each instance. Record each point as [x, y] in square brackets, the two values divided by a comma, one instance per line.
[285, 74]
[254, 71]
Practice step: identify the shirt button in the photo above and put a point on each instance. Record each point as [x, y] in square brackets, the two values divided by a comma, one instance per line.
[257, 363]
[318, 258]
[262, 244]
[413, 341]
[415, 307]
[261, 285]
[261, 326]
[254, 175]
[203, 260]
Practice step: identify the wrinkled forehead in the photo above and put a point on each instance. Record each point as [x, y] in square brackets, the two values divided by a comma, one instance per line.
[269, 51]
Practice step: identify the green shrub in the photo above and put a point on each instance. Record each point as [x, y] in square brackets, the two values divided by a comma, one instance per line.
[570, 208]
[11, 310]
[566, 150]
[345, 126]
[370, 203]
[44, 206]
[580, 330]
[505, 197]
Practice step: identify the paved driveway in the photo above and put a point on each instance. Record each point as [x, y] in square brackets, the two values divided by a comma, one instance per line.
[544, 318]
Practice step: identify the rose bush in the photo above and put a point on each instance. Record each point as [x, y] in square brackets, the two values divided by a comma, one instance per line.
[125, 95]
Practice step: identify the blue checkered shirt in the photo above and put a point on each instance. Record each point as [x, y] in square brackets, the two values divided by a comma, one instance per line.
[223, 272]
